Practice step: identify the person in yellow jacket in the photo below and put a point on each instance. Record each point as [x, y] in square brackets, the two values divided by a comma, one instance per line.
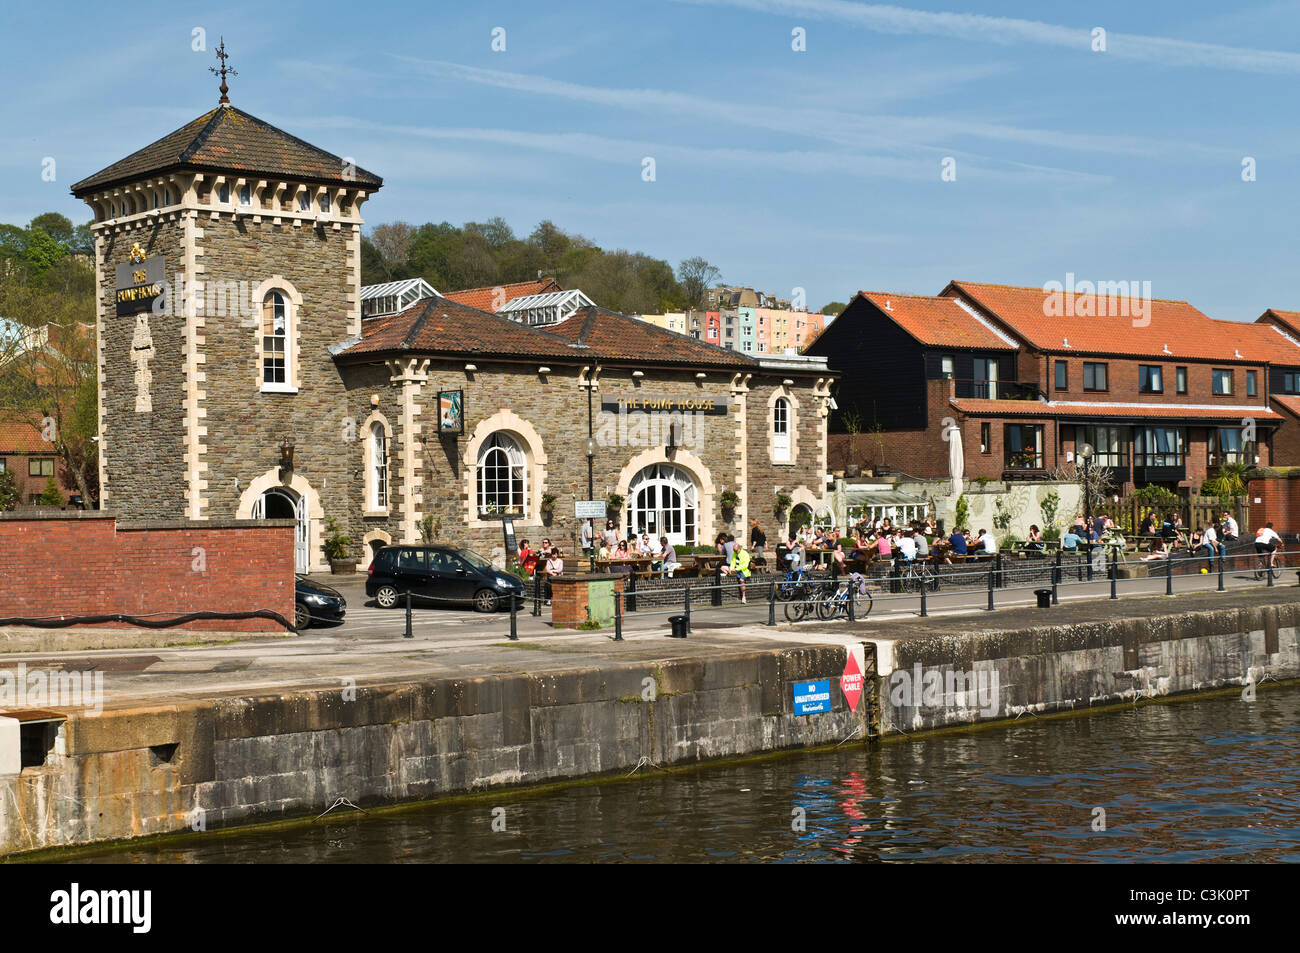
[739, 566]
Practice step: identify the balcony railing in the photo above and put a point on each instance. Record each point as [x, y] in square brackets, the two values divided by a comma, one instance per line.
[998, 390]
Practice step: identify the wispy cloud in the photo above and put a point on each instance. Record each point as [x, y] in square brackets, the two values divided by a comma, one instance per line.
[882, 18]
[874, 132]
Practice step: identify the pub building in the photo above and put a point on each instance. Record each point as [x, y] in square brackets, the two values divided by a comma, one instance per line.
[239, 379]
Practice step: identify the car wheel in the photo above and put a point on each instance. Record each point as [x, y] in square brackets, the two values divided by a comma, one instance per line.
[485, 600]
[386, 596]
[301, 617]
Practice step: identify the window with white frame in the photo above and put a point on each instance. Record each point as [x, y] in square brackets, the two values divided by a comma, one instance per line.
[781, 430]
[502, 476]
[378, 467]
[275, 339]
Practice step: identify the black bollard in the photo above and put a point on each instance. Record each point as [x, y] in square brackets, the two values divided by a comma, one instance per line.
[853, 601]
[688, 607]
[408, 634]
[990, 589]
[514, 622]
[923, 588]
[631, 592]
[1169, 573]
[537, 592]
[1056, 578]
[997, 561]
[1090, 560]
[1270, 575]
[717, 585]
[771, 603]
[618, 616]
[1114, 574]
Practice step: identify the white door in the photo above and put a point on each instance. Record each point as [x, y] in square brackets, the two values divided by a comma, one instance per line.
[286, 505]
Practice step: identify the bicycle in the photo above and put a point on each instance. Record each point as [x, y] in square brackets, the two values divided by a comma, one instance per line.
[918, 575]
[794, 586]
[1267, 562]
[835, 603]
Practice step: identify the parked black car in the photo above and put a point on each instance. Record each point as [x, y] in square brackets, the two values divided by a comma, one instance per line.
[313, 602]
[441, 574]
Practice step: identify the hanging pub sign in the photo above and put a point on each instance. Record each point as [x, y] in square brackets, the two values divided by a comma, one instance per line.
[712, 406]
[140, 282]
[451, 411]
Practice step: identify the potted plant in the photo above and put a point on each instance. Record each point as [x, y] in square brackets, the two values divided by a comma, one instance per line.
[548, 507]
[783, 501]
[853, 427]
[336, 548]
[728, 500]
[614, 507]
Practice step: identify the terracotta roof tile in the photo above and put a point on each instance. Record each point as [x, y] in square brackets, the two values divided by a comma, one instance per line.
[484, 298]
[1176, 325]
[19, 435]
[615, 336]
[1286, 402]
[230, 140]
[1083, 408]
[939, 321]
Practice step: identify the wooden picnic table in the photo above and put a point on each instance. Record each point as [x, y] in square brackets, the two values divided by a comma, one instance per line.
[640, 566]
[708, 563]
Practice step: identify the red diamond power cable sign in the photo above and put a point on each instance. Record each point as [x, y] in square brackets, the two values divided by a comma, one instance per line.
[851, 681]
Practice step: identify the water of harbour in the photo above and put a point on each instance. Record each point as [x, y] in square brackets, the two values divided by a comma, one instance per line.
[1213, 779]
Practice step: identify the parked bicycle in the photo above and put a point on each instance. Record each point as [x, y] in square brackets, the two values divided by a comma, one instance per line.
[836, 602]
[918, 576]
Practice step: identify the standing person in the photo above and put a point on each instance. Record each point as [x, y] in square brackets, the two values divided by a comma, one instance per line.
[838, 564]
[588, 537]
[554, 567]
[738, 566]
[611, 534]
[757, 543]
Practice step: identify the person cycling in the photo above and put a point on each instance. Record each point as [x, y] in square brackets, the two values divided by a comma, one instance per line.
[1267, 541]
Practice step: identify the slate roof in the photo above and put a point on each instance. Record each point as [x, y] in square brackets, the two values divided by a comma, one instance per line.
[443, 327]
[227, 139]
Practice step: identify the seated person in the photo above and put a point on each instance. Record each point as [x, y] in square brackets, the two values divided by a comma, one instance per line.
[989, 544]
[794, 554]
[922, 545]
[838, 564]
[882, 546]
[1070, 541]
[906, 547]
[958, 543]
[1034, 540]
[1158, 551]
[668, 557]
[1148, 527]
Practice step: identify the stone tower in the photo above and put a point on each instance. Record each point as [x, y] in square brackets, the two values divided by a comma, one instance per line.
[228, 262]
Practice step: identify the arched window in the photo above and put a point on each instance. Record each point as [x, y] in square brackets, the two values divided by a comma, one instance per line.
[502, 476]
[275, 340]
[781, 430]
[378, 467]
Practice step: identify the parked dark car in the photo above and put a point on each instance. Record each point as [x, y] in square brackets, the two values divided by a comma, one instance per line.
[440, 574]
[313, 602]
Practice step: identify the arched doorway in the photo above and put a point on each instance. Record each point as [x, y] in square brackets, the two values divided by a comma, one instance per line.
[281, 503]
[801, 517]
[662, 500]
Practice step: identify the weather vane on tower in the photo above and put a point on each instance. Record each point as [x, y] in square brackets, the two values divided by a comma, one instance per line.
[223, 56]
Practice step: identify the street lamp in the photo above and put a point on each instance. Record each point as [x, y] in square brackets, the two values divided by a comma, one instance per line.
[1085, 454]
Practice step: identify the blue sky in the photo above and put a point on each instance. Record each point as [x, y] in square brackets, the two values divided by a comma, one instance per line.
[817, 169]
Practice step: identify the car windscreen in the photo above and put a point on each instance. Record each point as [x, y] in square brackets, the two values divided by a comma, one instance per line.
[474, 559]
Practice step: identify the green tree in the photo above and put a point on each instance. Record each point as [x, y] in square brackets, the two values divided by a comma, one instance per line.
[834, 308]
[696, 276]
[51, 495]
[57, 226]
[8, 491]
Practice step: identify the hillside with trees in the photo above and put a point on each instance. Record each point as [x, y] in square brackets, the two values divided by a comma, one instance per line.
[482, 254]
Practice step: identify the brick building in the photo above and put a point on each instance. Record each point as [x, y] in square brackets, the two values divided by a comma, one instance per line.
[238, 379]
[1024, 379]
[29, 457]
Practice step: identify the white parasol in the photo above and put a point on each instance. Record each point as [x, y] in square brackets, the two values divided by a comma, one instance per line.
[956, 460]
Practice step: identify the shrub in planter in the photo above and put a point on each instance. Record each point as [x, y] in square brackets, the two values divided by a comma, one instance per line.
[336, 548]
[728, 500]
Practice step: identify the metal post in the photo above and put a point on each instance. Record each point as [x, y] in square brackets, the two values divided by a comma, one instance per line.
[1114, 574]
[687, 587]
[514, 623]
[1220, 555]
[631, 591]
[717, 585]
[990, 589]
[895, 577]
[1169, 572]
[1269, 570]
[1090, 554]
[924, 587]
[853, 601]
[997, 561]
[771, 603]
[1056, 577]
[408, 634]
[618, 615]
[537, 592]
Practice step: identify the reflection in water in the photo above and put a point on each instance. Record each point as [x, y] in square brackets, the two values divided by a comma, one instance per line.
[1211, 779]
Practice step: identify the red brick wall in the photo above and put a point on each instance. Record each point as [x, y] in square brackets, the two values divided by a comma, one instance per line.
[1279, 503]
[91, 566]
